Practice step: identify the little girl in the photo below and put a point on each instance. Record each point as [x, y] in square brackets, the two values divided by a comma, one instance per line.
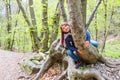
[67, 41]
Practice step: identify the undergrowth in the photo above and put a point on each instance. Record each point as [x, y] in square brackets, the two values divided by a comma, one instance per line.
[112, 49]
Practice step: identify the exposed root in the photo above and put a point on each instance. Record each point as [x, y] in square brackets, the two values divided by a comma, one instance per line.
[106, 77]
[44, 68]
[83, 74]
[54, 55]
[108, 63]
[116, 69]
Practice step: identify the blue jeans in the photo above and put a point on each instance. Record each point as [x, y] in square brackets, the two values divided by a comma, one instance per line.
[72, 55]
[94, 43]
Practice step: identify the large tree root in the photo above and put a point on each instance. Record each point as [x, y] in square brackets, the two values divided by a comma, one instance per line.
[108, 63]
[86, 74]
[47, 64]
[89, 73]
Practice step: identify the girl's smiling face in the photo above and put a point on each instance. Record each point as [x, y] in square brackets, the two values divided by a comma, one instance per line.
[65, 28]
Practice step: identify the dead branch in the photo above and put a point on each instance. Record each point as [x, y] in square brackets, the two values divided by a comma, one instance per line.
[92, 15]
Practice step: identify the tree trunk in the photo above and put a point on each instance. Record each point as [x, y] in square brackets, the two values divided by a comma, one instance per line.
[32, 14]
[55, 23]
[84, 7]
[105, 26]
[63, 12]
[34, 27]
[33, 34]
[96, 28]
[13, 36]
[91, 54]
[8, 16]
[45, 26]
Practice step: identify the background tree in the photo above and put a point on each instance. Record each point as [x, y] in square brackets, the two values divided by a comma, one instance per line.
[45, 30]
[55, 24]
[33, 31]
[9, 26]
[34, 27]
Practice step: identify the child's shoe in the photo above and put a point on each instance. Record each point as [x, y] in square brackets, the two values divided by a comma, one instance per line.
[78, 64]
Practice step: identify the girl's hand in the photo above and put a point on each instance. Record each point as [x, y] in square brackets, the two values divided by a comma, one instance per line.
[86, 44]
[80, 51]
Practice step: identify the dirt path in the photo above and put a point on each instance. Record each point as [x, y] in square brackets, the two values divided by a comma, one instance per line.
[9, 68]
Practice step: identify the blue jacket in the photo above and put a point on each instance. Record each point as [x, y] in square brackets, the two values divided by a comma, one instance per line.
[70, 44]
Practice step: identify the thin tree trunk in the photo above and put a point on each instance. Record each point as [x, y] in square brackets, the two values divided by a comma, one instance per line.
[84, 5]
[105, 26]
[55, 25]
[34, 27]
[45, 26]
[33, 35]
[63, 12]
[8, 13]
[96, 27]
[32, 13]
[13, 36]
[24, 13]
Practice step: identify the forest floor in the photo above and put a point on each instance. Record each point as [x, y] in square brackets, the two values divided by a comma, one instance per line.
[9, 67]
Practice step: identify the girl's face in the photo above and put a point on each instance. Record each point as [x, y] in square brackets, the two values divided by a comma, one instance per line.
[65, 28]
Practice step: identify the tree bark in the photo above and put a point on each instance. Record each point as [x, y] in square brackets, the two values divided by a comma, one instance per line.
[32, 13]
[84, 7]
[13, 37]
[34, 27]
[24, 13]
[91, 54]
[96, 28]
[63, 12]
[45, 26]
[105, 26]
